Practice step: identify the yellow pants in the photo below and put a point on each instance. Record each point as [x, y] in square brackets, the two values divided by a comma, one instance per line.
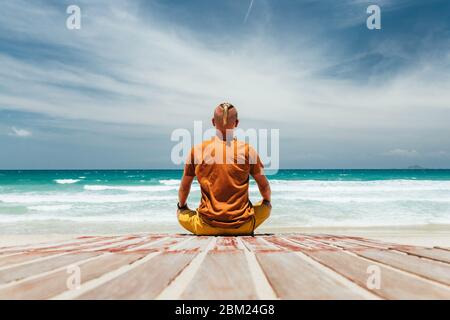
[191, 221]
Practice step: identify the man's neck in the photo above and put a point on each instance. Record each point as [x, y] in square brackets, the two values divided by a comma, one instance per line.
[225, 136]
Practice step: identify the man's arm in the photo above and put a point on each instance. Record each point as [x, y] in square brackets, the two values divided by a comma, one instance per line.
[185, 188]
[263, 186]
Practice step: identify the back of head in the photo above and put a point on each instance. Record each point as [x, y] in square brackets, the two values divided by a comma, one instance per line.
[225, 116]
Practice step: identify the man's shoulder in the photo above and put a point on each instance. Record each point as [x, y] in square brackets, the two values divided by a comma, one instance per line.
[247, 146]
[201, 145]
[240, 144]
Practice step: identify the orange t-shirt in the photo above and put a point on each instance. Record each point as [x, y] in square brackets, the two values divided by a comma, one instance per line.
[222, 169]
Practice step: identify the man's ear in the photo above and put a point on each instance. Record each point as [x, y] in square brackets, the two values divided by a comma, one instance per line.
[213, 122]
[236, 123]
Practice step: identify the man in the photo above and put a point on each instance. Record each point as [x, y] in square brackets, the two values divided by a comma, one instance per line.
[222, 166]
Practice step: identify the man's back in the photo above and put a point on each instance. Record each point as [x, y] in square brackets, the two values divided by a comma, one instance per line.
[223, 169]
[223, 166]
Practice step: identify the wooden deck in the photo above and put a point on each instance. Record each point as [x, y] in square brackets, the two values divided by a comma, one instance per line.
[287, 266]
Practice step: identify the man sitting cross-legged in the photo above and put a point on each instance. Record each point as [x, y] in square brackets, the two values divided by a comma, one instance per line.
[223, 166]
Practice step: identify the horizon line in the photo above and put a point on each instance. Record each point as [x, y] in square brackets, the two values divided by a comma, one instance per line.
[181, 169]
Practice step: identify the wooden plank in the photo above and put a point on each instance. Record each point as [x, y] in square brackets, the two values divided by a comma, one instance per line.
[163, 245]
[222, 275]
[98, 245]
[128, 246]
[44, 244]
[311, 243]
[259, 244]
[195, 244]
[430, 253]
[145, 281]
[55, 283]
[285, 244]
[426, 268]
[366, 243]
[21, 258]
[226, 244]
[292, 277]
[52, 246]
[34, 268]
[394, 284]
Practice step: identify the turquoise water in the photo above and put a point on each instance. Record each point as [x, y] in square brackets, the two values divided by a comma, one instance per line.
[91, 201]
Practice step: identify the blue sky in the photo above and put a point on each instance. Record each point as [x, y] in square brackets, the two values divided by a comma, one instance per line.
[109, 95]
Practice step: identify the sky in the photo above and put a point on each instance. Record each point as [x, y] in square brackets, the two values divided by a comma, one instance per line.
[109, 95]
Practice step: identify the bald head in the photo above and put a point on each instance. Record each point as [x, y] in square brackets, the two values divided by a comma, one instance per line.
[225, 116]
[225, 119]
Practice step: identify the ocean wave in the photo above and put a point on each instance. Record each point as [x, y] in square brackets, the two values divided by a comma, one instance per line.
[174, 182]
[353, 199]
[66, 181]
[51, 207]
[358, 186]
[79, 198]
[129, 188]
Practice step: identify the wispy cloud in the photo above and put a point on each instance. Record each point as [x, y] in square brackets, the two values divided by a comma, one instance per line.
[128, 68]
[248, 11]
[22, 133]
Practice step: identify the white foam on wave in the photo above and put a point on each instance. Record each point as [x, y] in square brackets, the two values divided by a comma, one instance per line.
[66, 181]
[129, 188]
[296, 203]
[170, 182]
[356, 199]
[51, 207]
[34, 198]
[361, 186]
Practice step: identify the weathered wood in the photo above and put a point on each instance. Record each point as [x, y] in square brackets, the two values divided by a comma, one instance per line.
[426, 268]
[195, 244]
[165, 243]
[311, 243]
[294, 278]
[394, 284]
[258, 244]
[226, 244]
[145, 281]
[55, 283]
[129, 246]
[222, 275]
[21, 258]
[154, 266]
[100, 244]
[434, 254]
[34, 268]
[51, 246]
[366, 244]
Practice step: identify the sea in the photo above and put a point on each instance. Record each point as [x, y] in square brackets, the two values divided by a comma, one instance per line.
[124, 201]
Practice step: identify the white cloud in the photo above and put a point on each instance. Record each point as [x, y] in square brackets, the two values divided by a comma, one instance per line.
[153, 75]
[140, 70]
[19, 132]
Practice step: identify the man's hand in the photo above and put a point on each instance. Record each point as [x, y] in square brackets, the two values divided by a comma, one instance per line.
[267, 203]
[183, 192]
